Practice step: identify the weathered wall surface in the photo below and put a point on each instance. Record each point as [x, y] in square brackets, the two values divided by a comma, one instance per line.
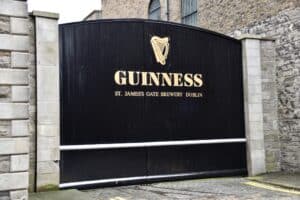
[227, 15]
[270, 102]
[285, 29]
[14, 98]
[125, 9]
[139, 9]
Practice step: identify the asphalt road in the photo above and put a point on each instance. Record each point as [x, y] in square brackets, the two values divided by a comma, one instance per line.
[204, 189]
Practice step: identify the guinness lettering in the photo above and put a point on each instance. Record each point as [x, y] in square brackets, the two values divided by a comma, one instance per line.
[137, 78]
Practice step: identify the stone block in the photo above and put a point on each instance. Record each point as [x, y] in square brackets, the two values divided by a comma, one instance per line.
[13, 76]
[258, 162]
[4, 164]
[253, 70]
[255, 117]
[4, 24]
[45, 180]
[45, 15]
[48, 142]
[19, 60]
[257, 144]
[13, 111]
[19, 195]
[19, 25]
[19, 128]
[47, 41]
[19, 163]
[4, 59]
[255, 130]
[253, 62]
[13, 181]
[5, 128]
[20, 94]
[255, 108]
[48, 155]
[254, 89]
[5, 92]
[13, 8]
[47, 167]
[45, 26]
[14, 146]
[14, 42]
[47, 53]
[252, 53]
[48, 129]
[47, 83]
[48, 112]
[252, 44]
[253, 80]
[255, 98]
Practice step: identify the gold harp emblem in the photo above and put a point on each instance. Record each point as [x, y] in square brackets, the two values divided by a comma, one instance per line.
[160, 48]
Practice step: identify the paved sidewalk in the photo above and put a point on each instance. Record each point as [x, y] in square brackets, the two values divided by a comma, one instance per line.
[291, 181]
[60, 195]
[204, 189]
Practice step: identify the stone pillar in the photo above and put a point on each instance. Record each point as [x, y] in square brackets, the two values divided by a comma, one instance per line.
[14, 97]
[270, 104]
[253, 105]
[47, 67]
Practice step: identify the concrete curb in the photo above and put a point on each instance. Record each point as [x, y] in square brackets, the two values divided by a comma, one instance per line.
[276, 182]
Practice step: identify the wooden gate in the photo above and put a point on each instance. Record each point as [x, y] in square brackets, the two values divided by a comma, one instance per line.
[149, 100]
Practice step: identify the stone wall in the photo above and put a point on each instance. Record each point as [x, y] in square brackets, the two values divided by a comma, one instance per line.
[139, 9]
[14, 97]
[125, 9]
[285, 29]
[225, 16]
[270, 102]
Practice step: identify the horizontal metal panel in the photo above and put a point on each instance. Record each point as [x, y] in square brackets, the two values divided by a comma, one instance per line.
[150, 178]
[150, 144]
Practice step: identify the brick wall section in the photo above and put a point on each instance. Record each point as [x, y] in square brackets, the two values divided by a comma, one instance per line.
[285, 29]
[14, 95]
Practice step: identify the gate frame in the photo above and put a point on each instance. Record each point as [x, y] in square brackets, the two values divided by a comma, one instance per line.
[48, 102]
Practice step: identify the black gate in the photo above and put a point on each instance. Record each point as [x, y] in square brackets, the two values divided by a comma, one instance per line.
[146, 100]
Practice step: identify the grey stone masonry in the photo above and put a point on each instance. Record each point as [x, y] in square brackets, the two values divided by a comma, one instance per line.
[14, 98]
[252, 83]
[270, 103]
[47, 68]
